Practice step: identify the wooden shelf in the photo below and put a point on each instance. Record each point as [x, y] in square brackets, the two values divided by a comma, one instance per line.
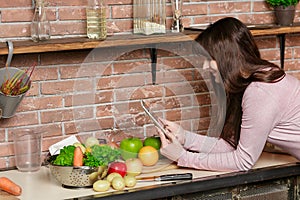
[21, 47]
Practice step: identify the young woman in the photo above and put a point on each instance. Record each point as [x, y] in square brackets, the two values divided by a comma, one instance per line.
[263, 104]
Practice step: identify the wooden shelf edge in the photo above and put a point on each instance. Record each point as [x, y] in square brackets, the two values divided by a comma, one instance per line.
[65, 44]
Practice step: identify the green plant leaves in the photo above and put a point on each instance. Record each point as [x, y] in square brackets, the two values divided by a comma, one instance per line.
[283, 3]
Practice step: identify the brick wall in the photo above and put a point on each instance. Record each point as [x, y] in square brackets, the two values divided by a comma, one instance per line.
[60, 102]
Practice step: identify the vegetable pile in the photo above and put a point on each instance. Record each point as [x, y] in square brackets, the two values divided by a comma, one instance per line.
[81, 155]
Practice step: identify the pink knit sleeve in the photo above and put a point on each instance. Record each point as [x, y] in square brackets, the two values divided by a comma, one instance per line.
[260, 114]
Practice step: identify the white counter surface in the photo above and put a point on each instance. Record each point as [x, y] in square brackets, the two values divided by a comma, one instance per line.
[41, 185]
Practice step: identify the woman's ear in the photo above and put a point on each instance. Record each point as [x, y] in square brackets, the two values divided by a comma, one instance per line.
[216, 73]
[213, 65]
[212, 68]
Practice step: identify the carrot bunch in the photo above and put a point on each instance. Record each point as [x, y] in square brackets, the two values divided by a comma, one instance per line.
[16, 84]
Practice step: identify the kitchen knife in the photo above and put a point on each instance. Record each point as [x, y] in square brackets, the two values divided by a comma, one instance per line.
[168, 177]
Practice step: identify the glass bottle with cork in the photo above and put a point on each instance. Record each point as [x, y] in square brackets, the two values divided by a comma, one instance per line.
[96, 19]
[40, 25]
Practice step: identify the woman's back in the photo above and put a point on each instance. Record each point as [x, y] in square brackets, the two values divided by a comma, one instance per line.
[284, 98]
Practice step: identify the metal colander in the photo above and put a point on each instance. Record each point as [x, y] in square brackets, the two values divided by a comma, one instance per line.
[74, 177]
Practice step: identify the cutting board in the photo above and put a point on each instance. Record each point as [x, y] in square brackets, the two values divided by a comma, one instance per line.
[162, 165]
[7, 196]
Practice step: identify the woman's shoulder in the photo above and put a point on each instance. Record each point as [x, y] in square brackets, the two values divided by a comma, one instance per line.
[284, 84]
[283, 89]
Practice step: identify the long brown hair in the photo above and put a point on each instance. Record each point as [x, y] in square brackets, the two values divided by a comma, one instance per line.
[232, 46]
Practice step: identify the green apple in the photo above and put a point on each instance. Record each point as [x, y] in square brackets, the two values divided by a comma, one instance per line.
[130, 147]
[153, 141]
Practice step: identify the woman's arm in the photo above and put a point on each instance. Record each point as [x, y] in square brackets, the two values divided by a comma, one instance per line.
[205, 144]
[260, 115]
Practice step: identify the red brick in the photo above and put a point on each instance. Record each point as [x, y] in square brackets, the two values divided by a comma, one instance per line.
[130, 53]
[118, 26]
[117, 2]
[47, 130]
[71, 13]
[68, 28]
[104, 111]
[67, 2]
[34, 89]
[261, 6]
[296, 52]
[147, 91]
[203, 124]
[47, 142]
[6, 149]
[65, 57]
[230, 7]
[131, 67]
[20, 119]
[43, 73]
[193, 9]
[120, 81]
[85, 70]
[14, 30]
[3, 162]
[266, 42]
[89, 125]
[33, 103]
[16, 15]
[2, 135]
[66, 115]
[122, 11]
[59, 87]
[15, 3]
[24, 60]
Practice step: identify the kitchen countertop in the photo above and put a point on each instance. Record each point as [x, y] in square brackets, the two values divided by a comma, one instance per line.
[42, 185]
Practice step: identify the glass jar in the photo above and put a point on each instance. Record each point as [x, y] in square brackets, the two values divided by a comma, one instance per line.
[40, 26]
[177, 15]
[149, 16]
[96, 19]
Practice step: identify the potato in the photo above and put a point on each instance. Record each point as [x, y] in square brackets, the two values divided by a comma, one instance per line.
[118, 183]
[130, 181]
[101, 186]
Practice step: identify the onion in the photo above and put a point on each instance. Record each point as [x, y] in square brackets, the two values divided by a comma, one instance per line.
[134, 166]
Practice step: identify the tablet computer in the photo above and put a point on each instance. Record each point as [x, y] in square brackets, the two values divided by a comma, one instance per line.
[153, 117]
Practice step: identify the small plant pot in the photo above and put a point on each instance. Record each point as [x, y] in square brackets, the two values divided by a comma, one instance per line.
[9, 103]
[284, 15]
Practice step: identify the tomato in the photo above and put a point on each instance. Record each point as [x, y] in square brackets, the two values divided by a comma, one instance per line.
[130, 147]
[118, 167]
[153, 141]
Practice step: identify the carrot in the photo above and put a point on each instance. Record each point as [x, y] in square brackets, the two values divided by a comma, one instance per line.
[78, 157]
[9, 186]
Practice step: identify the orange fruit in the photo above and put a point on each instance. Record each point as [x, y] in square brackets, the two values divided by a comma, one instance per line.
[148, 155]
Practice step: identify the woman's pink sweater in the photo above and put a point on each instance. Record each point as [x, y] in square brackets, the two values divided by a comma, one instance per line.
[271, 112]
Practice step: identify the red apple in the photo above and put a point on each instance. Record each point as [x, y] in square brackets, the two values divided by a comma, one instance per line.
[118, 167]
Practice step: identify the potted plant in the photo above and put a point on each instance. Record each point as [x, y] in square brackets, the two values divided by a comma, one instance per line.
[284, 11]
[14, 83]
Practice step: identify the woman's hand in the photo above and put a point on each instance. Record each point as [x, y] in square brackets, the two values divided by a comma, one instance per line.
[175, 129]
[170, 146]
